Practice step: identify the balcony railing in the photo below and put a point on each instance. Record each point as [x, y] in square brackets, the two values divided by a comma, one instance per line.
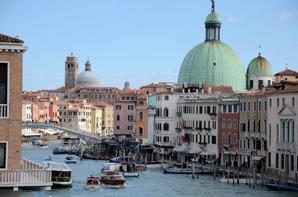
[179, 114]
[3, 110]
[30, 174]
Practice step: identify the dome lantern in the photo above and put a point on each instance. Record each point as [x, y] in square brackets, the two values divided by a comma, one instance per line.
[212, 24]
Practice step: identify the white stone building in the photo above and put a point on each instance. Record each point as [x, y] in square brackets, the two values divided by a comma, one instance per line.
[283, 131]
[26, 112]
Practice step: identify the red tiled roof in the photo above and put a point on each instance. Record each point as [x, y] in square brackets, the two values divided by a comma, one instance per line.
[287, 72]
[5, 38]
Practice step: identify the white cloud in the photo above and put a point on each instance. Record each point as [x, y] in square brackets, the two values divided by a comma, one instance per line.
[232, 19]
[288, 14]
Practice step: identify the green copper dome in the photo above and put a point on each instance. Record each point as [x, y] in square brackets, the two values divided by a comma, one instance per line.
[212, 62]
[198, 66]
[213, 17]
[259, 66]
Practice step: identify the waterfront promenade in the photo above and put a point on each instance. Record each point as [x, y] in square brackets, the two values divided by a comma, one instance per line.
[150, 183]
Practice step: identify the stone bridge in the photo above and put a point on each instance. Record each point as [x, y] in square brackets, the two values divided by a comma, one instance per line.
[87, 136]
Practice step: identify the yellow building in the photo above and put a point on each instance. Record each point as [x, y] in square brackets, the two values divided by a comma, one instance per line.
[107, 118]
[96, 119]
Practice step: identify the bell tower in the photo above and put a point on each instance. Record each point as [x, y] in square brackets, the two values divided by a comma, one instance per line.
[71, 71]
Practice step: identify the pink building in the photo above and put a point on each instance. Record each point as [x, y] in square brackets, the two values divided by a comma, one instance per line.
[125, 113]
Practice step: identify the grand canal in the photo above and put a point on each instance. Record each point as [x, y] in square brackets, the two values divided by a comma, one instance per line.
[150, 183]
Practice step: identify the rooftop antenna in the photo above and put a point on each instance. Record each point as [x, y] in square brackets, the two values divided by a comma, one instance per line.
[213, 6]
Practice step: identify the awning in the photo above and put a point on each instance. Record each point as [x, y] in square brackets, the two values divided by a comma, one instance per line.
[257, 158]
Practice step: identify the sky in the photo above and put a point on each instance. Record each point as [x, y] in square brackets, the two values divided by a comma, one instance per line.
[142, 41]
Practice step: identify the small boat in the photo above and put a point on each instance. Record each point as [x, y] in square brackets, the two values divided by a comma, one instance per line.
[112, 179]
[61, 174]
[70, 160]
[40, 143]
[281, 187]
[92, 183]
[130, 174]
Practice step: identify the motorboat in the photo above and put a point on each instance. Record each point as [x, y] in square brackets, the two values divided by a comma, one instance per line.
[281, 187]
[70, 160]
[61, 173]
[111, 167]
[92, 183]
[130, 174]
[40, 143]
[112, 179]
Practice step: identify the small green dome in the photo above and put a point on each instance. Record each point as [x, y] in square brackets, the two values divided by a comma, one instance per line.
[213, 17]
[259, 66]
[198, 66]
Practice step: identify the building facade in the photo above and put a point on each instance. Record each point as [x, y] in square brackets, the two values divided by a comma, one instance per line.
[228, 124]
[282, 156]
[253, 129]
[11, 80]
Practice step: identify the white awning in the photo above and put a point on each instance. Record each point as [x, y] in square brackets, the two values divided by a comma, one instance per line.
[257, 158]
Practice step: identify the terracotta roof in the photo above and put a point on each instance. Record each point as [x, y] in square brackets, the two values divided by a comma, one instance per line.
[8, 39]
[157, 85]
[287, 72]
[222, 89]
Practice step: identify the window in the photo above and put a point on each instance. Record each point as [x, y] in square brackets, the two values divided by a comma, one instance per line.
[293, 101]
[242, 127]
[260, 84]
[130, 107]
[292, 162]
[244, 106]
[270, 102]
[130, 118]
[269, 159]
[230, 108]
[268, 83]
[276, 160]
[118, 127]
[4, 89]
[201, 109]
[260, 104]
[251, 84]
[277, 102]
[118, 118]
[166, 112]
[213, 139]
[166, 126]
[248, 106]
[224, 108]
[140, 131]
[283, 101]
[3, 155]
[166, 98]
[235, 108]
[129, 128]
[282, 161]
[118, 107]
[141, 116]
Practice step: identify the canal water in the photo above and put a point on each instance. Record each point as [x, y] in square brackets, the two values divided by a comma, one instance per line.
[150, 183]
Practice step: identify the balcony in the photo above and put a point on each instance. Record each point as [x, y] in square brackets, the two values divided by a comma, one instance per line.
[199, 128]
[212, 115]
[187, 128]
[207, 128]
[3, 111]
[178, 129]
[178, 114]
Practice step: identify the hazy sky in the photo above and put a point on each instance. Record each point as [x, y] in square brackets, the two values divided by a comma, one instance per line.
[142, 41]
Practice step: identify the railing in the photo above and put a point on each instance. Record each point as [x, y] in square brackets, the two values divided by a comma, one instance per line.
[30, 174]
[3, 110]
[25, 177]
[179, 114]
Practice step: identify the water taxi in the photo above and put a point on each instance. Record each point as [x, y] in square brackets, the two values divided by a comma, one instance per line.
[92, 183]
[61, 174]
[112, 179]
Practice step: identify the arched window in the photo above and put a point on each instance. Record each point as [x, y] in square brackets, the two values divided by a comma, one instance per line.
[140, 131]
[166, 126]
[166, 112]
[118, 118]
